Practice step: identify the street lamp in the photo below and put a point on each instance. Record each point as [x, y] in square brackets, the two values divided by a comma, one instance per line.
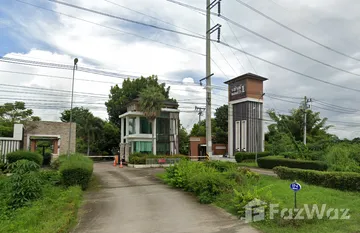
[72, 98]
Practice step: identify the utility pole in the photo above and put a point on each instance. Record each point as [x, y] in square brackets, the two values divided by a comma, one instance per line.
[209, 30]
[201, 110]
[72, 98]
[305, 107]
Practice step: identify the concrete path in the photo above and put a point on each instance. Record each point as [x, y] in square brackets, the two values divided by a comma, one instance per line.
[133, 201]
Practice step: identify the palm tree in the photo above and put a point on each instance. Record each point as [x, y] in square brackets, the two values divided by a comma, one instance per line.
[150, 103]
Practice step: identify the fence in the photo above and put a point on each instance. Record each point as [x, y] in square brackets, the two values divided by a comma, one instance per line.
[7, 146]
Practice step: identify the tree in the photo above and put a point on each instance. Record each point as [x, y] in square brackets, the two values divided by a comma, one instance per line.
[88, 128]
[292, 125]
[221, 120]
[151, 101]
[14, 113]
[183, 141]
[110, 138]
[199, 129]
[120, 97]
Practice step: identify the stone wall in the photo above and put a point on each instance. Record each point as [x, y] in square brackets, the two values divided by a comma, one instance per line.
[49, 128]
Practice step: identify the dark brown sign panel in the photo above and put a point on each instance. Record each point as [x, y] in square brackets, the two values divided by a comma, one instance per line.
[237, 90]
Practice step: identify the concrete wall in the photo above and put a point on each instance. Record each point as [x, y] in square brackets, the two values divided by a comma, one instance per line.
[49, 128]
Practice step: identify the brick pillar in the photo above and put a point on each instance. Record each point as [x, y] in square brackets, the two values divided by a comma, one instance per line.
[56, 146]
[32, 145]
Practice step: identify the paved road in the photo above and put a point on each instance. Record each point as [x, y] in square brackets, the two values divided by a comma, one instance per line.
[133, 201]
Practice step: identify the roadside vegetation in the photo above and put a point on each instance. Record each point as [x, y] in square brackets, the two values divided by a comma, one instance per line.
[42, 201]
[232, 188]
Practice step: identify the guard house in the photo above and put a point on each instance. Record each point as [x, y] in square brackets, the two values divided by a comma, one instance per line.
[245, 114]
[136, 131]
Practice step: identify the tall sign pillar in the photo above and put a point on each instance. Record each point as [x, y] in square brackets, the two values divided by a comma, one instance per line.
[245, 114]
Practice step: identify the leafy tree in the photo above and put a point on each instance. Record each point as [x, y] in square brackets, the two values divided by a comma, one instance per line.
[292, 125]
[120, 97]
[199, 129]
[221, 120]
[151, 101]
[183, 141]
[88, 128]
[14, 113]
[110, 138]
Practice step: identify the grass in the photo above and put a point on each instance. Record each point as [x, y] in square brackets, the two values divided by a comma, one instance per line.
[309, 194]
[55, 212]
[248, 163]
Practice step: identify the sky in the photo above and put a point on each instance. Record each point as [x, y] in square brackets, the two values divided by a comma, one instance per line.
[314, 39]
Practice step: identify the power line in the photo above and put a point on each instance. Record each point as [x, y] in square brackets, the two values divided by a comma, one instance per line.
[111, 28]
[297, 33]
[152, 17]
[125, 19]
[278, 44]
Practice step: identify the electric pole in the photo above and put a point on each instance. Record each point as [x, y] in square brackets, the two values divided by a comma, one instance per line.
[305, 107]
[201, 110]
[209, 30]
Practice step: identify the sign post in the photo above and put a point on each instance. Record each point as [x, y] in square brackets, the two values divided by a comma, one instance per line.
[295, 187]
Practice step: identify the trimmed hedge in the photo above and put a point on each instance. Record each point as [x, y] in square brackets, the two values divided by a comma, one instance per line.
[241, 156]
[274, 161]
[28, 155]
[77, 169]
[346, 181]
[141, 158]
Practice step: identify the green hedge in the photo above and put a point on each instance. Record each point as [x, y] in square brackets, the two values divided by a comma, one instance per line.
[77, 169]
[28, 155]
[241, 156]
[141, 158]
[349, 181]
[274, 161]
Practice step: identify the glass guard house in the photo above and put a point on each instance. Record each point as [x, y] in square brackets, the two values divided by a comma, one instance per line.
[136, 130]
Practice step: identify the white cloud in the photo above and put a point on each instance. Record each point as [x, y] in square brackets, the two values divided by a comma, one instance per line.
[57, 38]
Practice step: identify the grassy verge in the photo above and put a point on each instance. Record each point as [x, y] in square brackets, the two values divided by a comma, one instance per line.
[248, 163]
[218, 183]
[55, 212]
[309, 194]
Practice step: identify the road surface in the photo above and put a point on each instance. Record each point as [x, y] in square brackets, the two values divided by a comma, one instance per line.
[133, 201]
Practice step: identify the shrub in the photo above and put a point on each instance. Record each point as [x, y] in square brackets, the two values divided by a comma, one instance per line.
[242, 176]
[47, 158]
[253, 196]
[19, 155]
[25, 184]
[349, 181]
[343, 158]
[55, 163]
[209, 184]
[240, 156]
[77, 169]
[138, 158]
[179, 175]
[51, 177]
[220, 165]
[274, 161]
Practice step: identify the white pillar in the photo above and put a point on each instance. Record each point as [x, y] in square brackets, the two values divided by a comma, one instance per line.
[127, 128]
[230, 130]
[122, 136]
[154, 139]
[137, 125]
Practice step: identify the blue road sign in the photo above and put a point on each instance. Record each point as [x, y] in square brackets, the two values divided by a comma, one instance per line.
[295, 186]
